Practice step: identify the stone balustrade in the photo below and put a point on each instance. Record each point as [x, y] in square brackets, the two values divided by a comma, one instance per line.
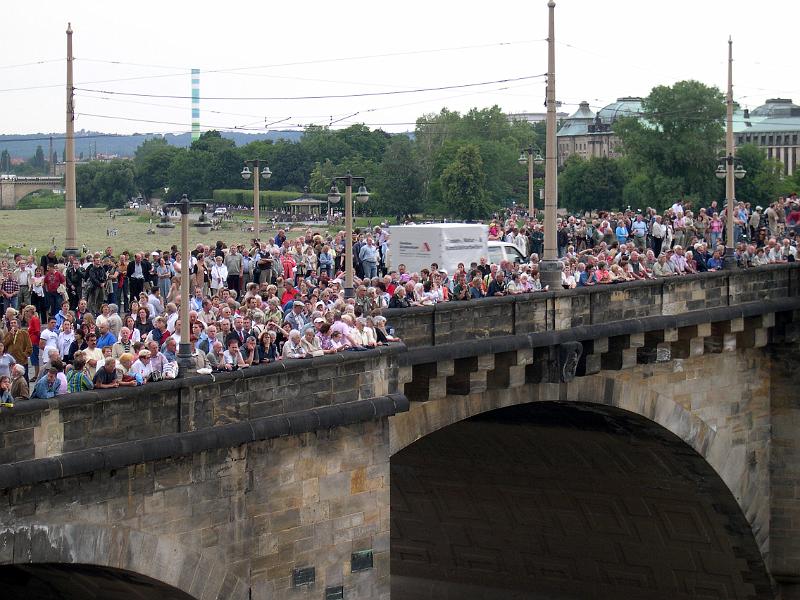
[454, 322]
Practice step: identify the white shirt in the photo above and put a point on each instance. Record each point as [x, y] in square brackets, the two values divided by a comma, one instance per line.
[219, 276]
[50, 341]
[142, 369]
[64, 342]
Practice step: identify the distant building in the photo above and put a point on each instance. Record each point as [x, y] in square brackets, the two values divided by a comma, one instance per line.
[588, 134]
[775, 127]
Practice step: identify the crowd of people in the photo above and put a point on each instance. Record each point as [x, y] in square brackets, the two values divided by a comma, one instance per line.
[630, 245]
[107, 320]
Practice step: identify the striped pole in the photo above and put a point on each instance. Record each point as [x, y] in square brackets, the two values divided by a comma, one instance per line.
[195, 104]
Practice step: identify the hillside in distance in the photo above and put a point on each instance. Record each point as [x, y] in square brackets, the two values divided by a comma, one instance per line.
[90, 142]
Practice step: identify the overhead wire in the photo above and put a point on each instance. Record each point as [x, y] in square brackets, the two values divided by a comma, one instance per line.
[320, 96]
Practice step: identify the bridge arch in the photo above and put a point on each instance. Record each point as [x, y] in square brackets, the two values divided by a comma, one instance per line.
[121, 560]
[566, 499]
[656, 392]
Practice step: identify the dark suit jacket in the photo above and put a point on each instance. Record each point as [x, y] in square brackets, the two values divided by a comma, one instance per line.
[145, 268]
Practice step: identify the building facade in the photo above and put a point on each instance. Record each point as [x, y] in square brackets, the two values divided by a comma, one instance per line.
[587, 134]
[775, 127]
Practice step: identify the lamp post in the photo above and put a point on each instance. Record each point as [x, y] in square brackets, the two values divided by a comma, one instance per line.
[203, 226]
[530, 156]
[550, 267]
[333, 197]
[728, 168]
[255, 164]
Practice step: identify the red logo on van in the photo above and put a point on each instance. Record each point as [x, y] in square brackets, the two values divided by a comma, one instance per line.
[426, 247]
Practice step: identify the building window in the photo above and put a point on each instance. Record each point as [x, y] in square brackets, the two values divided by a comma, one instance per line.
[769, 140]
[763, 140]
[778, 140]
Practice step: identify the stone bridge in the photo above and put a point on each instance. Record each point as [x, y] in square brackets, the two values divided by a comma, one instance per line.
[14, 189]
[631, 441]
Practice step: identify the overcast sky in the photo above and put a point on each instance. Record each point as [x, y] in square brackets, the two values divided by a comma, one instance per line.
[315, 48]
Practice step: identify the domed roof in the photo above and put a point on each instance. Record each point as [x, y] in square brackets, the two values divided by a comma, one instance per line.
[629, 106]
[578, 122]
[777, 107]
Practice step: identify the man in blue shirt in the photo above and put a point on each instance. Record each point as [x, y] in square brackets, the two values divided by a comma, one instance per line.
[622, 233]
[106, 337]
[639, 230]
[47, 386]
[368, 255]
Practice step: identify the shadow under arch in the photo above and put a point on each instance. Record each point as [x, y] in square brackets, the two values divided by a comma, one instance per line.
[716, 446]
[566, 500]
[53, 581]
[119, 557]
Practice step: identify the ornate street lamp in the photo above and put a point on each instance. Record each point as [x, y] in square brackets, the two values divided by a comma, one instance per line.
[333, 198]
[246, 174]
[530, 156]
[202, 226]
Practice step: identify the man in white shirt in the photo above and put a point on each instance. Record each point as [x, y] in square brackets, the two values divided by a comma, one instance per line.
[48, 340]
[219, 275]
[93, 355]
[65, 338]
[23, 274]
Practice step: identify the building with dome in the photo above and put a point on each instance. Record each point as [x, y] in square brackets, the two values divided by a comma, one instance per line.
[589, 134]
[775, 127]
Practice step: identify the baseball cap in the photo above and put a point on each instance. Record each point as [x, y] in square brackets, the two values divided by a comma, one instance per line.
[319, 320]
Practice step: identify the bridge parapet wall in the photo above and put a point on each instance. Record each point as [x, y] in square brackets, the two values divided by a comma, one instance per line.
[455, 322]
[46, 428]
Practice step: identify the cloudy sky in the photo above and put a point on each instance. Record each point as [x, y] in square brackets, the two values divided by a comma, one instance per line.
[261, 62]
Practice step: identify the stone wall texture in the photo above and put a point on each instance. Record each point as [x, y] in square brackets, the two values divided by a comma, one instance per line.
[228, 524]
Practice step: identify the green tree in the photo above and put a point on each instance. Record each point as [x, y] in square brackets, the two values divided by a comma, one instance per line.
[5, 162]
[678, 137]
[108, 184]
[587, 184]
[399, 181]
[152, 161]
[38, 159]
[321, 176]
[762, 182]
[463, 184]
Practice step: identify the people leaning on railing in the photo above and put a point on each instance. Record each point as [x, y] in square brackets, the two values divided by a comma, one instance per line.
[106, 320]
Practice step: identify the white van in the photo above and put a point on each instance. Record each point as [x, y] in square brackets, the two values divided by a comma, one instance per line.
[446, 244]
[499, 251]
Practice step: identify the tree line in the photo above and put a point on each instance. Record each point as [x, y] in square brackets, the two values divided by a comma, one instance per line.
[460, 165]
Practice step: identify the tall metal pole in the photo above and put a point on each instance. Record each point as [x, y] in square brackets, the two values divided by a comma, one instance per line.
[530, 186]
[185, 347]
[729, 149]
[71, 243]
[550, 267]
[348, 232]
[256, 201]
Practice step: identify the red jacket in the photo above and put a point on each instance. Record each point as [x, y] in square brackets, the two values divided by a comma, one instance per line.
[53, 279]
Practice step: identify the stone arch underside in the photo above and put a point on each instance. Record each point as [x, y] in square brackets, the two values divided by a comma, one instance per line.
[706, 402]
[21, 190]
[115, 559]
[566, 500]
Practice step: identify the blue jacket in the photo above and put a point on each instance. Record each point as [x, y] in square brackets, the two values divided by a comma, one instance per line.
[44, 389]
